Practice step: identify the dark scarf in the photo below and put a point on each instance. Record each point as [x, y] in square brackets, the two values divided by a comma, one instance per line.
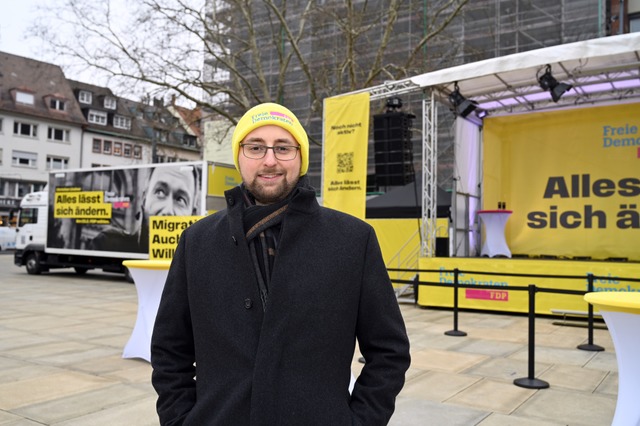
[262, 225]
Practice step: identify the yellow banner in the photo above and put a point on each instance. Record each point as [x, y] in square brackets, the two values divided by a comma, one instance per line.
[87, 206]
[572, 179]
[346, 136]
[164, 234]
[500, 297]
[222, 178]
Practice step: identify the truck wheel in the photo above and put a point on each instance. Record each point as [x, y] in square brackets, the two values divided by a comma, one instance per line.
[80, 271]
[32, 263]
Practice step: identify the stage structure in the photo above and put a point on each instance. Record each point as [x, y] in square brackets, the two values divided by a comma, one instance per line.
[597, 72]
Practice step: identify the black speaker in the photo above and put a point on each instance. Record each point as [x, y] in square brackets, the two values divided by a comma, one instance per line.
[393, 148]
[442, 247]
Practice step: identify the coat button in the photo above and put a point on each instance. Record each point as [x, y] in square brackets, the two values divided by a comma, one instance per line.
[248, 303]
[230, 201]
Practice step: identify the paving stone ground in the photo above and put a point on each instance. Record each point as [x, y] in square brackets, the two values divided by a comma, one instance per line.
[62, 336]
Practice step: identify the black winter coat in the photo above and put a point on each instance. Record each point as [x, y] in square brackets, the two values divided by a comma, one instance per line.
[291, 364]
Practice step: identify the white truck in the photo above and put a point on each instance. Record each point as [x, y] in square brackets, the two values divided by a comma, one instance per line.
[96, 218]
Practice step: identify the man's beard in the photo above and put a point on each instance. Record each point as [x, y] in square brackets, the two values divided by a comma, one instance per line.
[270, 194]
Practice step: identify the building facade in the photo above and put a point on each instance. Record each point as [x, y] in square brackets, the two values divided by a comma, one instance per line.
[41, 127]
[109, 138]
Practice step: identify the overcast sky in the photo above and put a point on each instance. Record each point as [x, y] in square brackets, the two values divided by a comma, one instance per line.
[16, 18]
[17, 15]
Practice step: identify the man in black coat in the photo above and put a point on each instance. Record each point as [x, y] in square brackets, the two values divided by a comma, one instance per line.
[264, 302]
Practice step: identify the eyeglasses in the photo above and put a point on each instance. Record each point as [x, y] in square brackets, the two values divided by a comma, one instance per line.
[257, 151]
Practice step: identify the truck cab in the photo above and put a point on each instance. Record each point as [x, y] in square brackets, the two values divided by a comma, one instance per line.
[31, 241]
[31, 231]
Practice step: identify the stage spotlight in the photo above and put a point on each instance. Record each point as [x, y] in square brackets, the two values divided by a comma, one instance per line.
[462, 106]
[548, 82]
[394, 103]
[481, 113]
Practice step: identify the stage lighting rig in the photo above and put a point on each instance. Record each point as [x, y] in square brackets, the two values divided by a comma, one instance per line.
[393, 104]
[548, 82]
[461, 105]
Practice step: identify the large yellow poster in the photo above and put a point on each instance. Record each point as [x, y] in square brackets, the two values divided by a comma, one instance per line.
[572, 179]
[346, 135]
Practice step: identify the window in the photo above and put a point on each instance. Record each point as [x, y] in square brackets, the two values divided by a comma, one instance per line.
[25, 129]
[27, 215]
[189, 140]
[25, 159]
[57, 163]
[634, 22]
[109, 102]
[84, 97]
[20, 189]
[122, 122]
[56, 104]
[97, 146]
[160, 135]
[24, 98]
[137, 151]
[127, 150]
[106, 147]
[98, 117]
[117, 148]
[57, 134]
[159, 158]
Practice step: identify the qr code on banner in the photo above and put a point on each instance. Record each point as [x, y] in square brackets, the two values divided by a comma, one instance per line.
[345, 162]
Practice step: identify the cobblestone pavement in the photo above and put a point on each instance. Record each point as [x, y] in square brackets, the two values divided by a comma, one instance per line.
[62, 336]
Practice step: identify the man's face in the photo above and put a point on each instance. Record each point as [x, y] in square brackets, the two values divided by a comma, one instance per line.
[171, 192]
[269, 180]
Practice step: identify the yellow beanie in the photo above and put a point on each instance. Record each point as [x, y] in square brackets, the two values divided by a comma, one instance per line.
[271, 114]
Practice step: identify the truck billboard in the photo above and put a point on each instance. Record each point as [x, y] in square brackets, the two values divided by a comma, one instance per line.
[107, 211]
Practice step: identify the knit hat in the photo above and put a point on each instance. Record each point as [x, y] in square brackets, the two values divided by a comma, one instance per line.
[271, 114]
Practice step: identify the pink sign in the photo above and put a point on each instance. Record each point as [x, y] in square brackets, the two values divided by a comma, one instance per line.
[496, 295]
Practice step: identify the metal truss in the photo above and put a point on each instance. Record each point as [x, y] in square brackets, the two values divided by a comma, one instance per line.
[392, 88]
[429, 175]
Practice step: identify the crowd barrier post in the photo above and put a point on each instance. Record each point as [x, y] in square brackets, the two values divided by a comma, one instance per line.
[455, 331]
[590, 346]
[530, 382]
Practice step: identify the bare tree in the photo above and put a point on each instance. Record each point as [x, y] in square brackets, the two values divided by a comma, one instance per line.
[252, 50]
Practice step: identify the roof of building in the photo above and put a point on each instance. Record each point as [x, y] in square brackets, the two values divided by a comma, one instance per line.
[191, 118]
[44, 81]
[98, 95]
[155, 120]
